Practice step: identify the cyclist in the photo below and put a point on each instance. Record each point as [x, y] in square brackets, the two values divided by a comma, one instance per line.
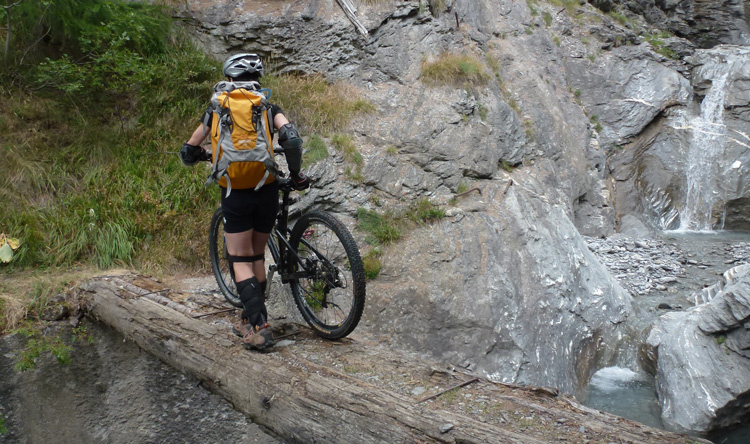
[250, 213]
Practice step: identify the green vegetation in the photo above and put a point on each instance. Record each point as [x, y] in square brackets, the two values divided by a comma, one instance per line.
[595, 121]
[424, 211]
[316, 151]
[315, 295]
[528, 125]
[557, 41]
[3, 428]
[96, 97]
[380, 229]
[372, 263]
[37, 344]
[460, 70]
[436, 7]
[388, 227]
[314, 104]
[482, 110]
[506, 166]
[532, 9]
[345, 144]
[91, 116]
[571, 6]
[619, 17]
[657, 42]
[494, 64]
[547, 18]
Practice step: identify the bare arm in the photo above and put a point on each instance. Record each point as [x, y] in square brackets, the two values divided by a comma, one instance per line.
[198, 136]
[279, 120]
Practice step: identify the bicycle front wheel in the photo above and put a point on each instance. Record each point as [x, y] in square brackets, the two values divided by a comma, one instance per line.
[219, 262]
[331, 297]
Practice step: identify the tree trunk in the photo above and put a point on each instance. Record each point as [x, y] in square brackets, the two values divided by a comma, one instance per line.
[299, 400]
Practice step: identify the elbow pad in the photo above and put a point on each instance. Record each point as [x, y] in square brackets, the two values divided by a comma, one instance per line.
[290, 140]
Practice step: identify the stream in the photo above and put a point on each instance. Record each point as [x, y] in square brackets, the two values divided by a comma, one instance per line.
[663, 274]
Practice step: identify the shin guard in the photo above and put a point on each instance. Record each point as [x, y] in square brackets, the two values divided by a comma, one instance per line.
[252, 298]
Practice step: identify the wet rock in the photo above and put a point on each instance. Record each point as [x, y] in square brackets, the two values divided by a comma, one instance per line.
[702, 359]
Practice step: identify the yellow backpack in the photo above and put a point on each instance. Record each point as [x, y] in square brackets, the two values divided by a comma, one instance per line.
[241, 137]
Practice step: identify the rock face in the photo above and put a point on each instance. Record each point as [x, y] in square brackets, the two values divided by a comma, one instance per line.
[702, 359]
[626, 89]
[491, 286]
[111, 392]
[705, 22]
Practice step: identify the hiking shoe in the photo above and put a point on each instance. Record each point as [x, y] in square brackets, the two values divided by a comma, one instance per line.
[241, 327]
[258, 338]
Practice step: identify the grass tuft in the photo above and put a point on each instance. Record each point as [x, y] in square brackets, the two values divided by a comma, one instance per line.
[372, 263]
[314, 104]
[316, 151]
[454, 69]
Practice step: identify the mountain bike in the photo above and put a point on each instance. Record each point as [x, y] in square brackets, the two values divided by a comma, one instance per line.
[319, 260]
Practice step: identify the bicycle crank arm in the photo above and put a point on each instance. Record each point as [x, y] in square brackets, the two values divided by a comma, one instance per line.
[269, 279]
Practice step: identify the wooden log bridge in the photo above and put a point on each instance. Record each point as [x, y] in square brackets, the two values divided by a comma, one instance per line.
[305, 402]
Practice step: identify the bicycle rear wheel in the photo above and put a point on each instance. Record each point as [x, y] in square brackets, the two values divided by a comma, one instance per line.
[331, 297]
[219, 262]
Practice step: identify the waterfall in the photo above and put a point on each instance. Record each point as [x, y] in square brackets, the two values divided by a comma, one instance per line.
[709, 139]
[712, 166]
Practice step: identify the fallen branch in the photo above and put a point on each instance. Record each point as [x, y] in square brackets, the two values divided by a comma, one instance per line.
[448, 389]
[467, 192]
[349, 10]
[203, 315]
[507, 187]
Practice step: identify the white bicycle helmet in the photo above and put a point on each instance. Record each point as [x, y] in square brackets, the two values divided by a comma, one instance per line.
[241, 65]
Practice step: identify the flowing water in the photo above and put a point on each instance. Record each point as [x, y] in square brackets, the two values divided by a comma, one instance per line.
[627, 391]
[632, 395]
[707, 174]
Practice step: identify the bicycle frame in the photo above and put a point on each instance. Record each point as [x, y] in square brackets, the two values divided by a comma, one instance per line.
[281, 250]
[283, 254]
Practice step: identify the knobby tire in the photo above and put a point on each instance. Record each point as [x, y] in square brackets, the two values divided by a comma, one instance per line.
[332, 297]
[219, 263]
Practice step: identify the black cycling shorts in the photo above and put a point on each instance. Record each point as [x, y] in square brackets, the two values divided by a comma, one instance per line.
[249, 209]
